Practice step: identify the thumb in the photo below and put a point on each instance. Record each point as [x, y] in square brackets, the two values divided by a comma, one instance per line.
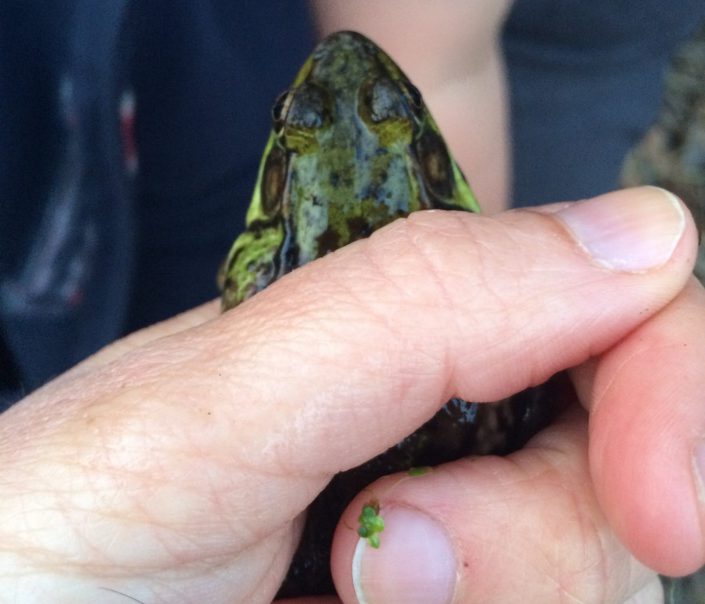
[367, 343]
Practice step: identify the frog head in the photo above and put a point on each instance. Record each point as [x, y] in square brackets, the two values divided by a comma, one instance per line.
[352, 148]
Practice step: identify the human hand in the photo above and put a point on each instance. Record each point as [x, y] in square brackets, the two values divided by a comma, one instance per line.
[175, 465]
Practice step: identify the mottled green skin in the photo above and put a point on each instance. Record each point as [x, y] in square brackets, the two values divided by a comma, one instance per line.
[353, 148]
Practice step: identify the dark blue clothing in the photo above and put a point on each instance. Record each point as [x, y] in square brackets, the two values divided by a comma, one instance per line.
[585, 81]
[131, 134]
[91, 247]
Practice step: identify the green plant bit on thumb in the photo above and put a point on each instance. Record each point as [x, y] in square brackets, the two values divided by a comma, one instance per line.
[371, 523]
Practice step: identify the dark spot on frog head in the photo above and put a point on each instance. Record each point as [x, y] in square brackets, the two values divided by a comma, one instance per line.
[328, 241]
[290, 256]
[334, 178]
[359, 227]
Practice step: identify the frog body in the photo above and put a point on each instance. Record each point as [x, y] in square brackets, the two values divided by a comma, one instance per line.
[352, 148]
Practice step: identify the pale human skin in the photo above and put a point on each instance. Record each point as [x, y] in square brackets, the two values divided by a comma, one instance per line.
[174, 465]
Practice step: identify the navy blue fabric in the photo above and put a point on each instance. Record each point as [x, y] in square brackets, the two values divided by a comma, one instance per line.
[206, 74]
[585, 82]
[90, 251]
[87, 253]
[70, 217]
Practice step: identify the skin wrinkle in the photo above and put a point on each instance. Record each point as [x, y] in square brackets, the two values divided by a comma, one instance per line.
[164, 587]
[539, 343]
[370, 310]
[437, 268]
[257, 509]
[513, 318]
[596, 397]
[570, 333]
[448, 363]
[361, 374]
[427, 358]
[555, 457]
[579, 577]
[588, 528]
[379, 318]
[183, 567]
[648, 348]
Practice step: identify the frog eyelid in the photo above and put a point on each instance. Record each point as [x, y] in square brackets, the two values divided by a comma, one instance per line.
[304, 108]
[383, 99]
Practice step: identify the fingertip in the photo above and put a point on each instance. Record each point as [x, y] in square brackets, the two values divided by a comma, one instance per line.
[646, 432]
[416, 558]
[415, 562]
[633, 230]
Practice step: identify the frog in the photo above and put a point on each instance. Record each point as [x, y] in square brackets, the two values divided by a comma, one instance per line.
[353, 147]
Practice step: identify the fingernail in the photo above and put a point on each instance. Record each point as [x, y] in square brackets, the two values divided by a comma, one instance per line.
[415, 562]
[630, 231]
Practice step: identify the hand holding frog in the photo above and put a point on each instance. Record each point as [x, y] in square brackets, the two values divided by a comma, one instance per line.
[175, 465]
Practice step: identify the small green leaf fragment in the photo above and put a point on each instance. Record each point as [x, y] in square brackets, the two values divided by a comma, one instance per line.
[371, 523]
[420, 471]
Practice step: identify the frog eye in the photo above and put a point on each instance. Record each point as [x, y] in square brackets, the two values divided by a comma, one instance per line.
[280, 109]
[435, 164]
[273, 180]
[382, 101]
[310, 108]
[304, 108]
